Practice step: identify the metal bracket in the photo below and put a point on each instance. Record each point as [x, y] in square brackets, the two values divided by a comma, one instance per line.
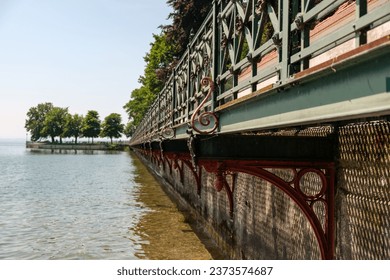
[323, 224]
[192, 150]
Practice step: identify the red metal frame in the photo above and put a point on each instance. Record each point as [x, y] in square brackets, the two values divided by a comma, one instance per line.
[325, 170]
[224, 168]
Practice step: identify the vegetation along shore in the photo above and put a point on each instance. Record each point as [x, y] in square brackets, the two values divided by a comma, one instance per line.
[45, 121]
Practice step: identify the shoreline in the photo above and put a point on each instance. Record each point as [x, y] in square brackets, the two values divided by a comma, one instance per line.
[81, 147]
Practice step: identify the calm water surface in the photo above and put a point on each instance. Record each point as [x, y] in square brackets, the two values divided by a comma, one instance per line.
[92, 205]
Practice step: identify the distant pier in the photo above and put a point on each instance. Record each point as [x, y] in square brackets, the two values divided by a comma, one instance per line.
[117, 146]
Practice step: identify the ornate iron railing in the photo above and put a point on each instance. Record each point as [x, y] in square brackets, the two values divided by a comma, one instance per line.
[245, 46]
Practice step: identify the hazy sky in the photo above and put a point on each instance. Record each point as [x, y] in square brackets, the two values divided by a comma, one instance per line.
[81, 54]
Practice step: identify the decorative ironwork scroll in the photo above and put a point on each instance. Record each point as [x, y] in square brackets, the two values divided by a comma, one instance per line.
[205, 118]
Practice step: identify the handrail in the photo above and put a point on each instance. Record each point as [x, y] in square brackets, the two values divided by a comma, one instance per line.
[235, 49]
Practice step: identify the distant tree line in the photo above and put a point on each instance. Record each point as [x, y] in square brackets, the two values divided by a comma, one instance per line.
[48, 121]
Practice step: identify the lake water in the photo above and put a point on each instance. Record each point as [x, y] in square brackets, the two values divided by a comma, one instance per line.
[87, 206]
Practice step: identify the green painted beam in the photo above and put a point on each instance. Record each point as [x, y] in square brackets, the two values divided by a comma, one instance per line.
[339, 93]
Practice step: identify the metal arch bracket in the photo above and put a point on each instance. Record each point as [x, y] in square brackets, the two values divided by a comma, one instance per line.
[178, 161]
[191, 148]
[160, 144]
[221, 183]
[324, 231]
[322, 223]
[176, 165]
[197, 172]
[165, 134]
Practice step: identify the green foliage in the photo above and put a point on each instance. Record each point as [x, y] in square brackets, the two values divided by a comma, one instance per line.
[158, 62]
[54, 123]
[35, 120]
[112, 126]
[139, 103]
[157, 69]
[45, 120]
[187, 17]
[73, 126]
[91, 125]
[129, 129]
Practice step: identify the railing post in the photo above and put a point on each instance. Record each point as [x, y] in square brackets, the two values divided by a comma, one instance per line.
[235, 55]
[295, 39]
[188, 82]
[305, 35]
[173, 92]
[284, 26]
[220, 53]
[158, 110]
[215, 56]
[254, 29]
[361, 10]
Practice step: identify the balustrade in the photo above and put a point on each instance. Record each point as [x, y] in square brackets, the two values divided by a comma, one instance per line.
[245, 46]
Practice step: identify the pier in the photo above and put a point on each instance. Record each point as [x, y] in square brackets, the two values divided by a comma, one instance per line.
[280, 146]
[120, 146]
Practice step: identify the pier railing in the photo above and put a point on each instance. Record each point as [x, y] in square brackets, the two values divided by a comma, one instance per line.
[247, 46]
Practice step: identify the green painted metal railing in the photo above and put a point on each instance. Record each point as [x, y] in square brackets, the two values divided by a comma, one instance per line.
[246, 45]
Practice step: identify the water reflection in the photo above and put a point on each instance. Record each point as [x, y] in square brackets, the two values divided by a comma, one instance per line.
[163, 232]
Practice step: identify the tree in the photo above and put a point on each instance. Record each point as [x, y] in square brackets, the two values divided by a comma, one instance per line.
[129, 129]
[139, 103]
[112, 126]
[35, 120]
[91, 125]
[54, 123]
[73, 126]
[155, 74]
[158, 64]
[187, 17]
